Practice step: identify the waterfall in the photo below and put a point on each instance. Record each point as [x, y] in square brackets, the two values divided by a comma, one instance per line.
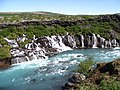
[71, 40]
[94, 41]
[56, 42]
[117, 44]
[82, 41]
[106, 44]
[62, 45]
[53, 42]
[28, 46]
[43, 47]
[12, 43]
[109, 43]
[34, 56]
[27, 58]
[101, 41]
[114, 43]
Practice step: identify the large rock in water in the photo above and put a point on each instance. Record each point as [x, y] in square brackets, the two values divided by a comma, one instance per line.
[4, 63]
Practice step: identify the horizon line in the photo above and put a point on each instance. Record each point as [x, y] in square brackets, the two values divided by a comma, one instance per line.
[55, 12]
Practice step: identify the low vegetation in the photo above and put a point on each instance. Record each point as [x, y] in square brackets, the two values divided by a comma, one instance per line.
[86, 66]
[99, 80]
[5, 52]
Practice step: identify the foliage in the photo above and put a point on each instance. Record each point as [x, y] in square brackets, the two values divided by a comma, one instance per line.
[5, 52]
[12, 36]
[110, 84]
[84, 86]
[85, 66]
[85, 27]
[2, 41]
[22, 44]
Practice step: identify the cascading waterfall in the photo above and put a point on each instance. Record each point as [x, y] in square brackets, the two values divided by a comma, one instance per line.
[56, 42]
[115, 43]
[106, 44]
[47, 46]
[109, 43]
[94, 41]
[27, 58]
[71, 40]
[82, 41]
[103, 40]
[62, 45]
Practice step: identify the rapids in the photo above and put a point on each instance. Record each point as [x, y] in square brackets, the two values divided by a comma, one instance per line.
[51, 73]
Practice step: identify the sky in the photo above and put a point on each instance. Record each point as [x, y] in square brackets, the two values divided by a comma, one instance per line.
[72, 7]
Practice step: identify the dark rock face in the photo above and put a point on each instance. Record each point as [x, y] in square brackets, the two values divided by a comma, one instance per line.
[89, 41]
[70, 41]
[4, 63]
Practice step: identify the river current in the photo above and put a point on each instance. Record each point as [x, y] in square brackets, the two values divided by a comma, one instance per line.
[52, 73]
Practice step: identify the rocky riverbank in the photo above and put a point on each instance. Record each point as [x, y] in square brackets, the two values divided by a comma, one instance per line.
[44, 47]
[106, 76]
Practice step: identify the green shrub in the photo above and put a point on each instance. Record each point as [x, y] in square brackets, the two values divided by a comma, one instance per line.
[85, 66]
[109, 85]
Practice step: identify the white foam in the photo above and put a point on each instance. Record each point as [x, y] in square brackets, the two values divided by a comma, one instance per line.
[95, 41]
[82, 40]
[13, 79]
[116, 48]
[56, 42]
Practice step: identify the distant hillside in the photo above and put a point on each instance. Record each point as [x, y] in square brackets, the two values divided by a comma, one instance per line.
[16, 17]
[17, 13]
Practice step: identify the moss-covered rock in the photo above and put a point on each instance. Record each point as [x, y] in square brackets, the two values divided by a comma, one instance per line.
[106, 76]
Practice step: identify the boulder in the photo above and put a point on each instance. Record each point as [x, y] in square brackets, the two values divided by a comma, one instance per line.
[111, 67]
[4, 63]
[69, 86]
[77, 78]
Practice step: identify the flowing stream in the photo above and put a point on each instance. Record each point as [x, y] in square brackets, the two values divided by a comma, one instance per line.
[52, 73]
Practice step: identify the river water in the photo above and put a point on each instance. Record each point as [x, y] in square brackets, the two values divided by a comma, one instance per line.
[52, 73]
